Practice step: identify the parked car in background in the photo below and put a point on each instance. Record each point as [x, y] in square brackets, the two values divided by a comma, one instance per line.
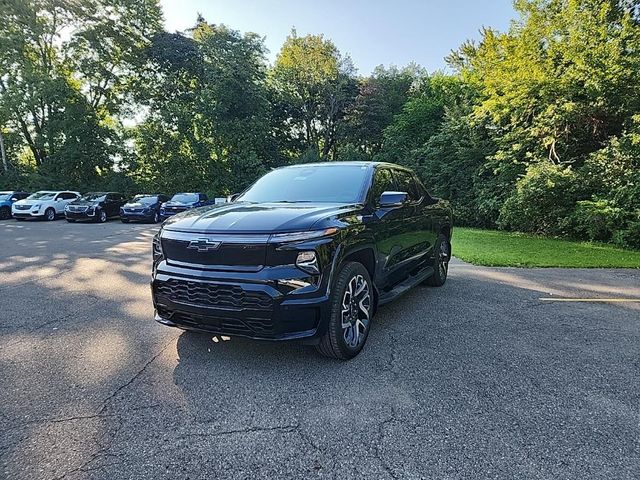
[7, 199]
[46, 204]
[143, 208]
[183, 201]
[95, 207]
[308, 253]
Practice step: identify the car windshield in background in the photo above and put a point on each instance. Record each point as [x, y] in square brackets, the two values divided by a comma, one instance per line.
[5, 195]
[184, 198]
[144, 199]
[42, 196]
[323, 184]
[94, 196]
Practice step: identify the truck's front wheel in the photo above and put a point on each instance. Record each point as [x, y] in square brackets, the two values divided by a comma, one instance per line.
[351, 307]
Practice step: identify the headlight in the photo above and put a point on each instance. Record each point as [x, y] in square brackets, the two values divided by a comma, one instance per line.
[300, 236]
[308, 262]
[157, 248]
[36, 206]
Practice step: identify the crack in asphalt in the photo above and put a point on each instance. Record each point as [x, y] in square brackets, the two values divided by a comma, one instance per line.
[105, 403]
[378, 454]
[283, 428]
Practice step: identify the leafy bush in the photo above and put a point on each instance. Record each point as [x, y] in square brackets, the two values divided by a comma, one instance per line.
[630, 236]
[597, 220]
[543, 200]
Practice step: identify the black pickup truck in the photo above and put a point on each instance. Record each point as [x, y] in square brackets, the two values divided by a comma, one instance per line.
[307, 253]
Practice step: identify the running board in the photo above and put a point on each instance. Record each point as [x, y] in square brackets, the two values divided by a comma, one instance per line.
[403, 287]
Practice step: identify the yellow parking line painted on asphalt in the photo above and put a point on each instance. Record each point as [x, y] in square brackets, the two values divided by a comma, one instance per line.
[549, 299]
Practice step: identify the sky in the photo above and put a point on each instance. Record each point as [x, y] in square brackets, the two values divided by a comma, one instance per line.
[372, 32]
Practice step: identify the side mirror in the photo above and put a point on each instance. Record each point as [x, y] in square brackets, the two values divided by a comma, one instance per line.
[393, 199]
[13, 199]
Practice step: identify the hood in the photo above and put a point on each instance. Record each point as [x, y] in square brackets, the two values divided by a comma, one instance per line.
[253, 218]
[138, 205]
[178, 204]
[24, 201]
[84, 203]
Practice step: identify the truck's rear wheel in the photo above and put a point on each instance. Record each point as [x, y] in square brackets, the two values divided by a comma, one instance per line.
[441, 259]
[351, 309]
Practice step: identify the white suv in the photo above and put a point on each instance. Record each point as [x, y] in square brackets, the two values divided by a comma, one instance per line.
[44, 204]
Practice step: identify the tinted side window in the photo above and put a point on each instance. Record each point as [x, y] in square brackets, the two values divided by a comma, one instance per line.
[67, 196]
[382, 182]
[204, 198]
[406, 183]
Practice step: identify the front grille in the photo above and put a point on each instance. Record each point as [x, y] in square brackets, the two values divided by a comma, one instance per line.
[22, 207]
[133, 210]
[261, 327]
[77, 208]
[214, 295]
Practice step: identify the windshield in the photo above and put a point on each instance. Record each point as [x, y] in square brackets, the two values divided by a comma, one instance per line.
[185, 198]
[42, 196]
[5, 195]
[94, 196]
[144, 199]
[323, 184]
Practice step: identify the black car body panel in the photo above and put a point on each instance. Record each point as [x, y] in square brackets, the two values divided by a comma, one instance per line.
[231, 269]
[89, 206]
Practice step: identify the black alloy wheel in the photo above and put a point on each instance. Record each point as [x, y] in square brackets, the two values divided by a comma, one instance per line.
[351, 304]
[102, 217]
[441, 259]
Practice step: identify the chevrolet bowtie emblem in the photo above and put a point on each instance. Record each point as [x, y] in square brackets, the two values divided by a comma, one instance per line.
[204, 245]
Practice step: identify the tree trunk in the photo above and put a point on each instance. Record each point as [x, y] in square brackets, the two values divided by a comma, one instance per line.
[3, 154]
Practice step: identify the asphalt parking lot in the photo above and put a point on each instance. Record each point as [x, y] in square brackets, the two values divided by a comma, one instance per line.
[478, 379]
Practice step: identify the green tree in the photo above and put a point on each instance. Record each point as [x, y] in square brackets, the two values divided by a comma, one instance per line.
[380, 97]
[207, 125]
[313, 86]
[53, 57]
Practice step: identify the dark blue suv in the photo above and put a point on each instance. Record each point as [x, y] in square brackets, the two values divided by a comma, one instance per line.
[143, 208]
[183, 201]
[7, 199]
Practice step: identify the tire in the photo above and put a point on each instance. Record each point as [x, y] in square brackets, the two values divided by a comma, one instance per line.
[156, 217]
[49, 214]
[124, 220]
[441, 259]
[102, 216]
[5, 213]
[353, 288]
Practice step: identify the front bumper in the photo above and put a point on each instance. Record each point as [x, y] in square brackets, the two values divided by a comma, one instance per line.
[276, 303]
[137, 216]
[166, 213]
[79, 216]
[27, 213]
